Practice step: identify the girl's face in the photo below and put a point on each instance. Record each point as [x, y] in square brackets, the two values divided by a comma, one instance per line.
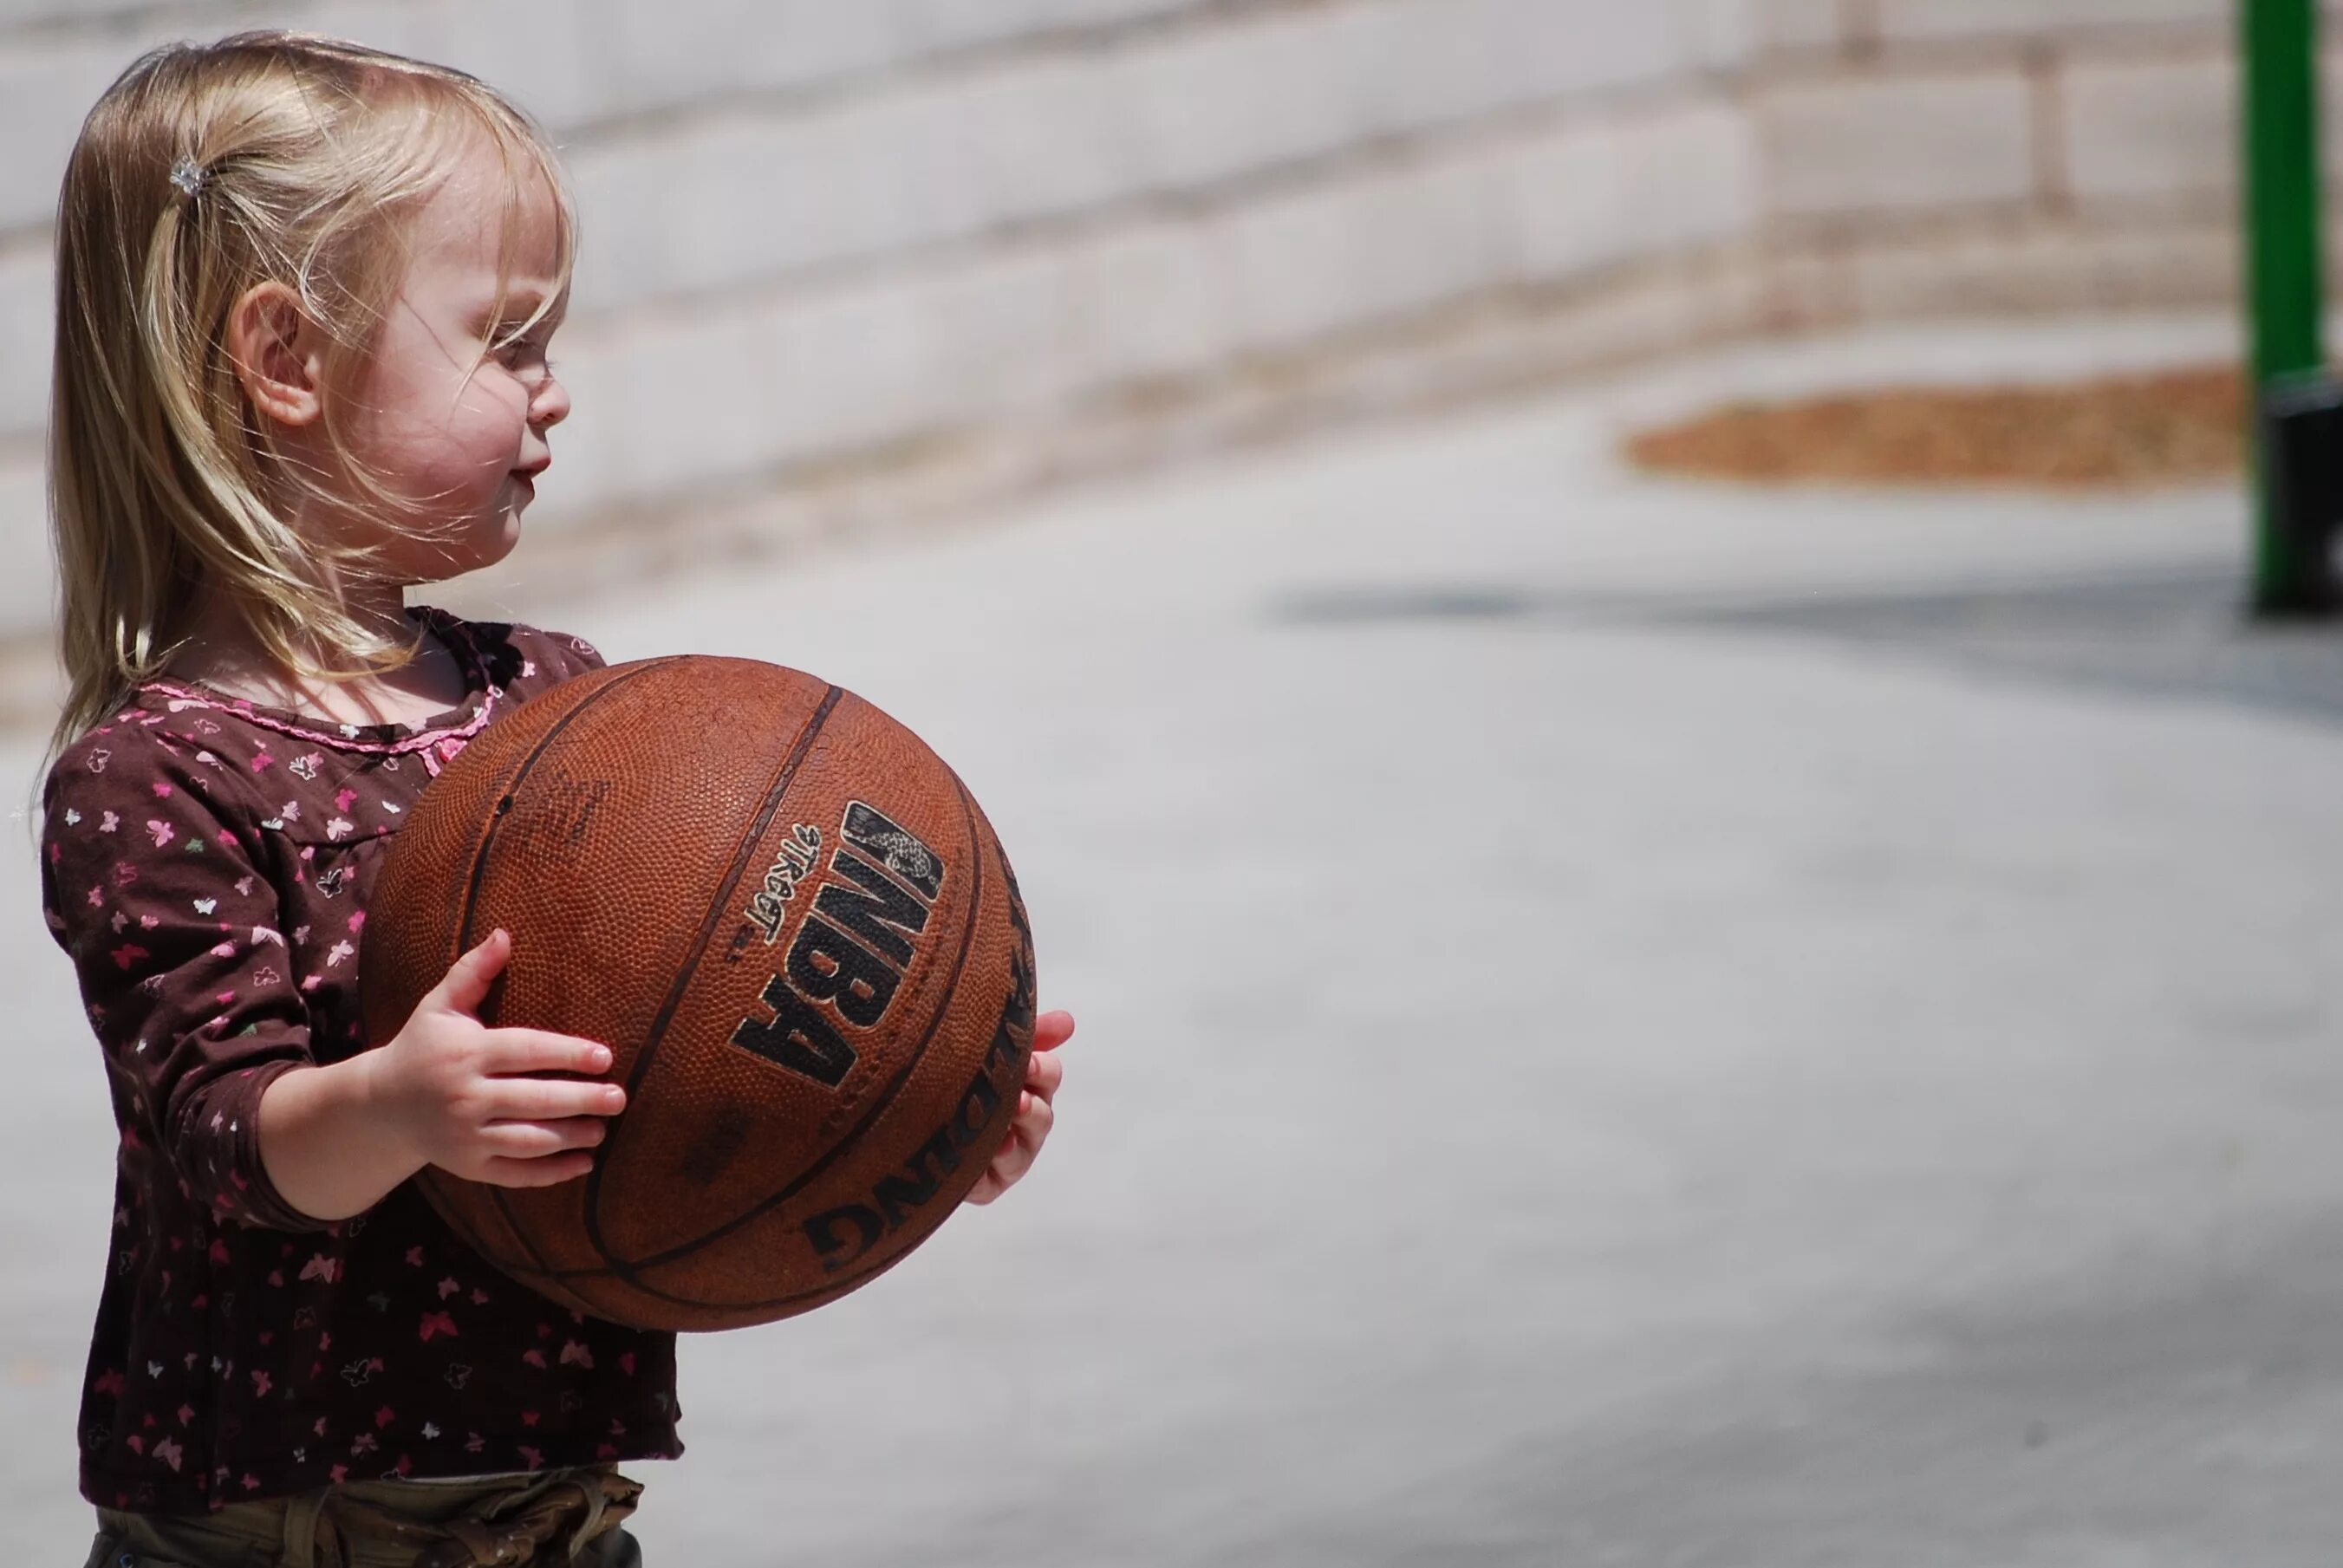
[453, 410]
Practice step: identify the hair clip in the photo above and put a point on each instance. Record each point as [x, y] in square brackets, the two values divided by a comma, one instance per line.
[189, 175]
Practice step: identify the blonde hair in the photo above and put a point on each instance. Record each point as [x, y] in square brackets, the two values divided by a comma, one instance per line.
[204, 171]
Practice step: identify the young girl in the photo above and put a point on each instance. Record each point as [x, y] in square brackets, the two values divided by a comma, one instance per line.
[305, 291]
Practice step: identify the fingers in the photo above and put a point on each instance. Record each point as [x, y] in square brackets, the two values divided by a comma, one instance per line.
[550, 1170]
[1043, 1073]
[1035, 1116]
[549, 1099]
[510, 1051]
[536, 1139]
[1052, 1030]
[465, 984]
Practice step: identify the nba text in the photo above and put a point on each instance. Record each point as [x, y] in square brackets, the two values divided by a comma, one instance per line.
[851, 950]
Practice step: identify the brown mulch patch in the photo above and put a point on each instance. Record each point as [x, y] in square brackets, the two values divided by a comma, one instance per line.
[2123, 432]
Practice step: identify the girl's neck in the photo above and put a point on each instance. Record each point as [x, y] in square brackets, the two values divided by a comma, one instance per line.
[221, 653]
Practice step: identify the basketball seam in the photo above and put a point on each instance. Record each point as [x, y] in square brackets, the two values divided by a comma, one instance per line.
[689, 964]
[838, 1148]
[497, 1194]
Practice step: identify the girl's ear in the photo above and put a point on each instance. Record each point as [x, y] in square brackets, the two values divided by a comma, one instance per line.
[278, 354]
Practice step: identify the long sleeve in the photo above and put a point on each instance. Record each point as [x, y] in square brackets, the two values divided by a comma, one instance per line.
[184, 969]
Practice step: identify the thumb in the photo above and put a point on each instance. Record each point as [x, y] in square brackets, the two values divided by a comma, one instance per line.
[470, 976]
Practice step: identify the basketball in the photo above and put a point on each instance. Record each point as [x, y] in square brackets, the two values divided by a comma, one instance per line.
[800, 940]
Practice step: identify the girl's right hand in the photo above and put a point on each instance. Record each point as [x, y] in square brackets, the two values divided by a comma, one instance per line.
[458, 1093]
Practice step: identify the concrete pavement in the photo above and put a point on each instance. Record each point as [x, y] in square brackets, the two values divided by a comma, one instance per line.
[1622, 1059]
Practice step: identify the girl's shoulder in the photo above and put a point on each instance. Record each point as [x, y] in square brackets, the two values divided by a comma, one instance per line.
[141, 752]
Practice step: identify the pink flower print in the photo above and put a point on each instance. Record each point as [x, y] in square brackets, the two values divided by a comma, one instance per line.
[96, 898]
[574, 1354]
[205, 905]
[162, 791]
[259, 1384]
[626, 1362]
[474, 1443]
[121, 919]
[437, 1323]
[311, 982]
[384, 1417]
[265, 976]
[338, 827]
[364, 1442]
[227, 842]
[536, 1460]
[186, 1413]
[300, 933]
[161, 832]
[338, 1474]
[338, 952]
[357, 922]
[290, 810]
[342, 801]
[321, 1267]
[98, 759]
[125, 874]
[251, 1481]
[534, 1357]
[72, 818]
[480, 1297]
[244, 887]
[262, 761]
[207, 760]
[306, 765]
[109, 822]
[447, 1287]
[224, 951]
[128, 953]
[147, 922]
[169, 1452]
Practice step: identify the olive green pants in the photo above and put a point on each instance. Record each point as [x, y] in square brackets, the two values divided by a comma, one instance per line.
[559, 1519]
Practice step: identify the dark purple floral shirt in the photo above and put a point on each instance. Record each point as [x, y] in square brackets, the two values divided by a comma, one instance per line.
[206, 863]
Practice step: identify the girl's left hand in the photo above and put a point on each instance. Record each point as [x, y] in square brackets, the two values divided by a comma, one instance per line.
[1030, 1126]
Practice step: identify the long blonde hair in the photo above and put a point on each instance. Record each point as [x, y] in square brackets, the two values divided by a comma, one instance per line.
[203, 172]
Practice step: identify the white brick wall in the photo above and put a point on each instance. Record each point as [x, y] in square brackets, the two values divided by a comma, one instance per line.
[1147, 301]
[813, 227]
[1853, 145]
[1908, 20]
[2151, 127]
[1595, 196]
[27, 577]
[27, 309]
[46, 87]
[1800, 25]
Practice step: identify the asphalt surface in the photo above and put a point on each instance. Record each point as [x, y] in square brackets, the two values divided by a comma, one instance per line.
[1621, 1022]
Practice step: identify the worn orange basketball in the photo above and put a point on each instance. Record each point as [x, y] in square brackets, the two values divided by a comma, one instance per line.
[798, 935]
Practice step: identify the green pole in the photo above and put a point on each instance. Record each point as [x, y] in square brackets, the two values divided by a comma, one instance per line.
[2283, 199]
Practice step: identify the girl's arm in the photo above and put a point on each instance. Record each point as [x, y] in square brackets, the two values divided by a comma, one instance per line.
[447, 1090]
[152, 890]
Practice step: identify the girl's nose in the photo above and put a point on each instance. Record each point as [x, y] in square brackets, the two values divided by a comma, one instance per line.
[551, 404]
